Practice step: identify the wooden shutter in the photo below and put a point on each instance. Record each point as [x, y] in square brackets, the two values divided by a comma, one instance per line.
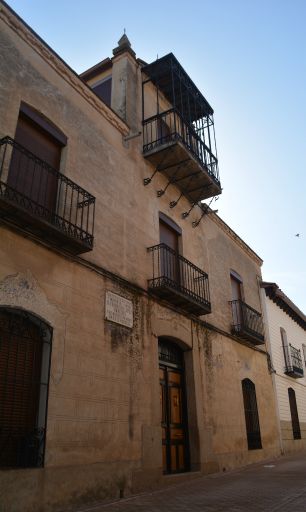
[168, 236]
[251, 415]
[169, 258]
[20, 376]
[294, 414]
[236, 286]
[28, 175]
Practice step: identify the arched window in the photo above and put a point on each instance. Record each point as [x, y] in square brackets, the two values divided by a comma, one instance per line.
[251, 415]
[25, 350]
[294, 414]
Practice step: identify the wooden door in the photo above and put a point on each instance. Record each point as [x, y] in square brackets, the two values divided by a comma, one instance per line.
[169, 257]
[173, 411]
[29, 175]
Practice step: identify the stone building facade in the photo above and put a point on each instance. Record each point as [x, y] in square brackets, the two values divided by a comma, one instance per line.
[131, 335]
[286, 342]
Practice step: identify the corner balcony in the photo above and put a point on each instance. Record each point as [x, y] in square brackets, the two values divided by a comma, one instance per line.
[178, 281]
[293, 362]
[173, 146]
[42, 201]
[247, 322]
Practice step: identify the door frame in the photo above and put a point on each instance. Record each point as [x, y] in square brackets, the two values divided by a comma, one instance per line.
[179, 367]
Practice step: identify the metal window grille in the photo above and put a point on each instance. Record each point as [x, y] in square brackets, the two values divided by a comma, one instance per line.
[293, 358]
[169, 353]
[251, 415]
[25, 349]
[304, 353]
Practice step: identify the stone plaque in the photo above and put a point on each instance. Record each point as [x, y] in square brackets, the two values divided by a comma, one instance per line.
[118, 309]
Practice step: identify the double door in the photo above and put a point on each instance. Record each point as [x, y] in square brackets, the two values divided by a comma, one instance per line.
[173, 420]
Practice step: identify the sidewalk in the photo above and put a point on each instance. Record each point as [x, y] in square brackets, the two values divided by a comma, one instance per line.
[276, 486]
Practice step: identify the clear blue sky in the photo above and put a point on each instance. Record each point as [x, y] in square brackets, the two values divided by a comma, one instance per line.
[248, 59]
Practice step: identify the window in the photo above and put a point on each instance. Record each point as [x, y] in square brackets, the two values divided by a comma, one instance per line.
[103, 89]
[163, 131]
[25, 350]
[236, 286]
[251, 415]
[304, 353]
[294, 414]
[237, 294]
[36, 138]
[292, 356]
[287, 355]
[169, 238]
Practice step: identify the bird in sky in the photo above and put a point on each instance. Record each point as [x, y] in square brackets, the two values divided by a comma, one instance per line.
[298, 234]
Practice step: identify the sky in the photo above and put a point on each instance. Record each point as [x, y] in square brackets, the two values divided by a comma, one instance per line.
[248, 59]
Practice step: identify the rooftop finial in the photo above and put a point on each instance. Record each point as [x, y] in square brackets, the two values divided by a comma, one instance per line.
[124, 45]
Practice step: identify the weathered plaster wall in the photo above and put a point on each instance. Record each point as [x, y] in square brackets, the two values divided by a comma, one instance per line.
[104, 409]
[103, 429]
[98, 159]
[224, 364]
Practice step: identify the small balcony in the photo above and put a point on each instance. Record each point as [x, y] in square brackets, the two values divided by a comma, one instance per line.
[42, 201]
[178, 130]
[178, 281]
[247, 322]
[293, 362]
[172, 144]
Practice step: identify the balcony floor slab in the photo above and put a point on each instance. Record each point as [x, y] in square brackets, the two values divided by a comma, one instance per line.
[15, 214]
[178, 163]
[181, 300]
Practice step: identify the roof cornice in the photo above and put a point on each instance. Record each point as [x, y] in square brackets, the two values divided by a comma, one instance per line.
[274, 293]
[18, 25]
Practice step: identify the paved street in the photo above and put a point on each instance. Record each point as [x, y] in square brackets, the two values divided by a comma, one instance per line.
[274, 486]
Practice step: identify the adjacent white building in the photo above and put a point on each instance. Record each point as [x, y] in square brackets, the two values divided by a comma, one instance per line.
[286, 340]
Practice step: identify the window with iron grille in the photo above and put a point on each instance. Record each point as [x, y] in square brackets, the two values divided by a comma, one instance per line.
[292, 356]
[25, 350]
[294, 414]
[251, 415]
[304, 353]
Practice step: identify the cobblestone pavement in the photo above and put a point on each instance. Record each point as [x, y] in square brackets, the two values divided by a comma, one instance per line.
[274, 486]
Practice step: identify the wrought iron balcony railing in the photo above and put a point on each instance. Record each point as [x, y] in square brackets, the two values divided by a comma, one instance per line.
[178, 281]
[247, 322]
[169, 126]
[43, 201]
[293, 361]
